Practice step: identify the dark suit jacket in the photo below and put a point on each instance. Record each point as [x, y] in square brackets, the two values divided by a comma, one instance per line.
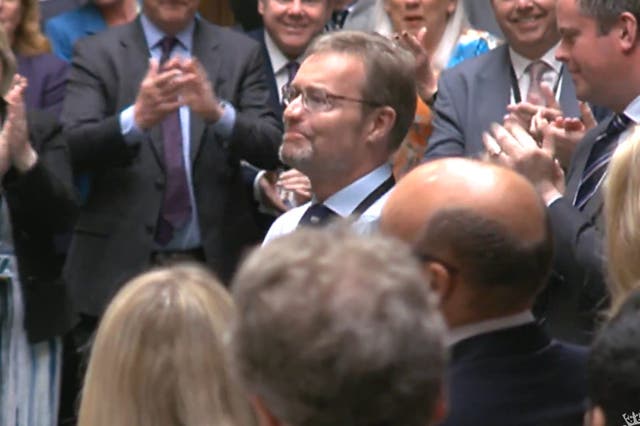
[47, 76]
[41, 204]
[114, 235]
[577, 290]
[475, 94]
[274, 91]
[516, 376]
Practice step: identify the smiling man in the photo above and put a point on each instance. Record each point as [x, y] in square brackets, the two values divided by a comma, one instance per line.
[600, 47]
[348, 108]
[477, 93]
[289, 28]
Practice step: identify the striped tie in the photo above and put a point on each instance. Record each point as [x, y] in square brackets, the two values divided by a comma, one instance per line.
[596, 166]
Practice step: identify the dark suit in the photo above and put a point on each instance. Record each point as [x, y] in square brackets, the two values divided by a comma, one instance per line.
[41, 203]
[577, 291]
[274, 91]
[114, 236]
[475, 94]
[47, 77]
[516, 376]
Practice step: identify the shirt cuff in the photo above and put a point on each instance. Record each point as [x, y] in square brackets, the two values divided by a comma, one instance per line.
[553, 200]
[224, 126]
[257, 194]
[128, 128]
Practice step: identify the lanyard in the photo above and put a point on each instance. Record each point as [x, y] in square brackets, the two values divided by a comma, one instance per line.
[515, 88]
[373, 197]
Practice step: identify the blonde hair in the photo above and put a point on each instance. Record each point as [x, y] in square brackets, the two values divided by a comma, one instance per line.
[159, 357]
[28, 39]
[622, 227]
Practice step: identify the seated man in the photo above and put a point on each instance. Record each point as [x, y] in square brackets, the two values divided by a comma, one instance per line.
[341, 128]
[614, 375]
[484, 237]
[336, 329]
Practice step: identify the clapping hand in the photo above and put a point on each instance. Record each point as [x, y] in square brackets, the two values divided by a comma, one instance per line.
[523, 112]
[15, 149]
[512, 146]
[158, 94]
[426, 76]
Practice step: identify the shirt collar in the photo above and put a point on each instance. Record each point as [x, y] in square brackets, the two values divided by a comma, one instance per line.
[633, 110]
[520, 63]
[277, 58]
[153, 34]
[345, 201]
[464, 332]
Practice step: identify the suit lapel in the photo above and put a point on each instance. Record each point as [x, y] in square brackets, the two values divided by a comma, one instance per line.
[495, 86]
[136, 57]
[269, 72]
[205, 46]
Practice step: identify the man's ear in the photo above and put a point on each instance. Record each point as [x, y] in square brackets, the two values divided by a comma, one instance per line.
[627, 26]
[382, 121]
[439, 279]
[264, 415]
[594, 416]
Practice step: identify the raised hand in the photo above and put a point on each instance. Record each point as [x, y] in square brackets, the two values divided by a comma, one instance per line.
[426, 76]
[14, 130]
[197, 92]
[523, 112]
[512, 146]
[158, 94]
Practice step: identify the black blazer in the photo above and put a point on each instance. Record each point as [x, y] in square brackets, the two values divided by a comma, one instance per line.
[114, 236]
[516, 376]
[41, 205]
[577, 292]
[274, 94]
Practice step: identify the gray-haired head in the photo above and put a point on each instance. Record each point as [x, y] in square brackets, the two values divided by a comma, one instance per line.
[336, 329]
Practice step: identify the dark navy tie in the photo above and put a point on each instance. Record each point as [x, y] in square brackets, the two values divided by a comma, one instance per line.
[176, 205]
[596, 166]
[317, 215]
[338, 18]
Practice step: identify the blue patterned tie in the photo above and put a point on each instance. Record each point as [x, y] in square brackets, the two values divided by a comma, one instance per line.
[596, 166]
[176, 205]
[317, 215]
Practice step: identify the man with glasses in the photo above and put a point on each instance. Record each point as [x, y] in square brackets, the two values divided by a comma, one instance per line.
[348, 108]
[483, 235]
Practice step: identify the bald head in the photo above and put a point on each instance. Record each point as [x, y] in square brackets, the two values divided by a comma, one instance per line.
[457, 183]
[486, 221]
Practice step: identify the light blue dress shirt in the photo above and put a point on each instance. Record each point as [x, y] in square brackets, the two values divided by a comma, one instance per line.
[187, 237]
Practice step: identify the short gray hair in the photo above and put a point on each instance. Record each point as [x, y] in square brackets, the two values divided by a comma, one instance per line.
[605, 12]
[336, 329]
[390, 73]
